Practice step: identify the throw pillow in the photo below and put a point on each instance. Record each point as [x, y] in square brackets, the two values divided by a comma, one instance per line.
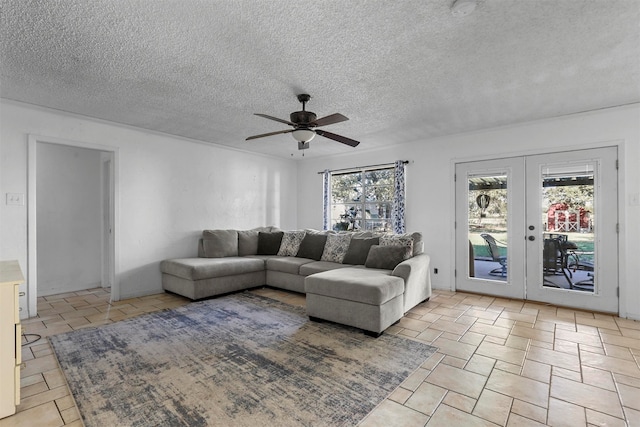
[312, 246]
[336, 247]
[418, 243]
[398, 240]
[248, 241]
[385, 257]
[220, 243]
[361, 234]
[269, 242]
[291, 243]
[358, 250]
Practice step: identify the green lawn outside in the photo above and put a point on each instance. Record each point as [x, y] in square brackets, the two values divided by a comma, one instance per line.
[584, 241]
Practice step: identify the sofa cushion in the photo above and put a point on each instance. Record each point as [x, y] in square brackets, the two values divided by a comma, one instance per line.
[286, 264]
[387, 257]
[319, 266]
[397, 240]
[248, 241]
[269, 242]
[312, 246]
[290, 243]
[207, 268]
[220, 243]
[336, 247]
[359, 249]
[355, 284]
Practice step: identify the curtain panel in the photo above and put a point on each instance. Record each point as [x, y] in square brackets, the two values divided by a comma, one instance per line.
[326, 199]
[397, 212]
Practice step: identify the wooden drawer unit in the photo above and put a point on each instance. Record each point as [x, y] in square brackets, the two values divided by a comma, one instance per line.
[10, 337]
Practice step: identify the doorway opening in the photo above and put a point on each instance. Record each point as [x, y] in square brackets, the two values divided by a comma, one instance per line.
[72, 204]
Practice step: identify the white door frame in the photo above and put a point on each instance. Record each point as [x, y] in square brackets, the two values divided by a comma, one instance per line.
[604, 297]
[511, 286]
[106, 184]
[621, 189]
[32, 245]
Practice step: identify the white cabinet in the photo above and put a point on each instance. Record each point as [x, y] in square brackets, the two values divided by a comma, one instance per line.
[10, 340]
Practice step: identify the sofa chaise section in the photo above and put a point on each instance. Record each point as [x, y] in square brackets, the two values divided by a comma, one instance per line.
[364, 298]
[198, 278]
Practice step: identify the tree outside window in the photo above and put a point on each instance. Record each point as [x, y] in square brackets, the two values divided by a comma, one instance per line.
[362, 200]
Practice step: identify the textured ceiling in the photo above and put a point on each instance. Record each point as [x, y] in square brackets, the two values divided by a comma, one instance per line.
[400, 70]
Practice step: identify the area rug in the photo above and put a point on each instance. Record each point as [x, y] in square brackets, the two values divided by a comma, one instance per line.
[239, 360]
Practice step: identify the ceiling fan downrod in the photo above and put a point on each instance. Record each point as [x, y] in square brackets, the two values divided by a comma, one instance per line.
[304, 98]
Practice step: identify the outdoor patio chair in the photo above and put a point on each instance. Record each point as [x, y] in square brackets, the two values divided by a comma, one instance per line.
[494, 249]
[557, 252]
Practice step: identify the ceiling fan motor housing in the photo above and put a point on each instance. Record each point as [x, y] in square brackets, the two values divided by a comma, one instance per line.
[302, 117]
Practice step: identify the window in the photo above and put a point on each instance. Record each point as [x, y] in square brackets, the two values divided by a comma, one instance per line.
[362, 200]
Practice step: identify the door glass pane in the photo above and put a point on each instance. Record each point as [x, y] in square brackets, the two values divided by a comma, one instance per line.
[568, 213]
[487, 219]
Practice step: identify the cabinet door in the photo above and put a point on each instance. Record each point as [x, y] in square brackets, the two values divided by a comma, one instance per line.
[16, 306]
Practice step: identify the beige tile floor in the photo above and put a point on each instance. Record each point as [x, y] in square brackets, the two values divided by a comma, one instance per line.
[500, 362]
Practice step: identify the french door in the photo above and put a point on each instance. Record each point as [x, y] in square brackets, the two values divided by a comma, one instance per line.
[540, 227]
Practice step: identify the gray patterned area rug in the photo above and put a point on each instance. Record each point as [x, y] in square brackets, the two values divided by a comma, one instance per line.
[239, 360]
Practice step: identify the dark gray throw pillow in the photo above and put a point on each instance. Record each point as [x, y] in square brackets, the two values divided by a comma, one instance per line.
[358, 250]
[385, 257]
[312, 246]
[269, 243]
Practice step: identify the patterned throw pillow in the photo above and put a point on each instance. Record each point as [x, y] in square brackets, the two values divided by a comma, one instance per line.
[405, 240]
[336, 247]
[291, 243]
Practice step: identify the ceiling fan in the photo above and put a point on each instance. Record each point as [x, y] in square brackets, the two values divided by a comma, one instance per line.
[304, 125]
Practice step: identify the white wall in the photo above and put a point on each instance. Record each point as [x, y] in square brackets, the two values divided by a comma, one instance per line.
[169, 190]
[69, 218]
[172, 188]
[430, 192]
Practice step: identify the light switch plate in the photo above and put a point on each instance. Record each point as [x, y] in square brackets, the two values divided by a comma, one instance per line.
[16, 199]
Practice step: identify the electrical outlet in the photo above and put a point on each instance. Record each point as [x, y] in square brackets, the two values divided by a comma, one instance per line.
[16, 199]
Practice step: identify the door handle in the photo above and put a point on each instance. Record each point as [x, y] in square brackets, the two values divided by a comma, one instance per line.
[532, 238]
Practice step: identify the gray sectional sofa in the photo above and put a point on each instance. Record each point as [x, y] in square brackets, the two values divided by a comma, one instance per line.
[361, 279]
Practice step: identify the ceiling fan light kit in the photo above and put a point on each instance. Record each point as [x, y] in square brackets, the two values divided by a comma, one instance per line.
[303, 135]
[304, 125]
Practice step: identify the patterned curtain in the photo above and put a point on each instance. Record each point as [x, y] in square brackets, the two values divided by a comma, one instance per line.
[326, 199]
[397, 213]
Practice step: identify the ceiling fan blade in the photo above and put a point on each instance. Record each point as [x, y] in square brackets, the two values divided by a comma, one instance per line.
[286, 122]
[329, 120]
[339, 138]
[269, 134]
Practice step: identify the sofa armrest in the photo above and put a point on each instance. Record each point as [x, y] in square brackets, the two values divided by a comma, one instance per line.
[417, 280]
